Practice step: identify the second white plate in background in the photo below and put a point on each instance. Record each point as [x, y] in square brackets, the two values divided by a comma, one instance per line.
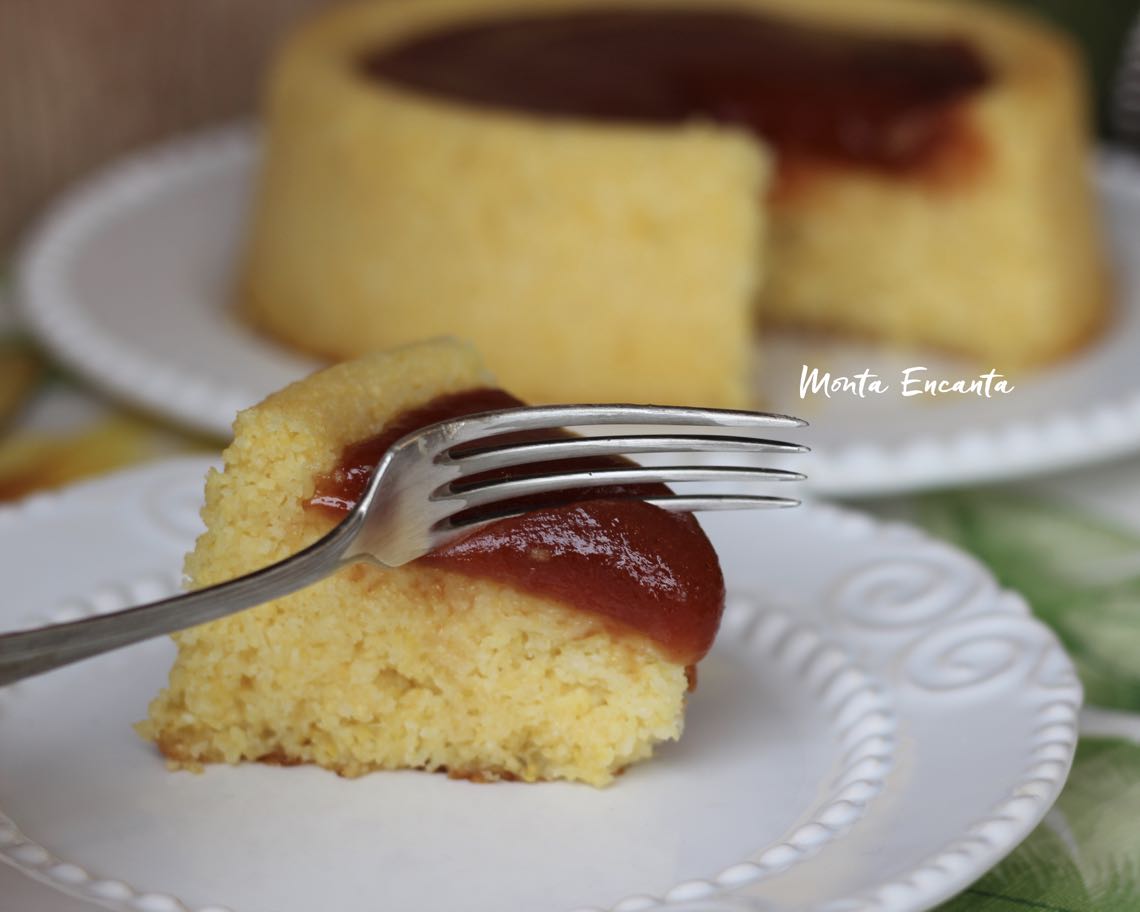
[129, 280]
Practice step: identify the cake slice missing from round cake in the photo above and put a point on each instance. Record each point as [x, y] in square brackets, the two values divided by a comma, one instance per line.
[556, 645]
[626, 187]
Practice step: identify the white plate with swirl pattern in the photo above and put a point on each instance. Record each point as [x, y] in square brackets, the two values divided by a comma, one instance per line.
[877, 724]
[129, 280]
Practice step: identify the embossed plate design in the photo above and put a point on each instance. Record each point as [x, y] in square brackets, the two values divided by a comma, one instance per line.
[877, 725]
[129, 280]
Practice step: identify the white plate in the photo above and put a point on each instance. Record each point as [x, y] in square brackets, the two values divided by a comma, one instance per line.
[876, 726]
[129, 280]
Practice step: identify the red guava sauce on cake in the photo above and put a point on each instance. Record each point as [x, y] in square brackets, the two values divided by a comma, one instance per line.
[629, 562]
[817, 93]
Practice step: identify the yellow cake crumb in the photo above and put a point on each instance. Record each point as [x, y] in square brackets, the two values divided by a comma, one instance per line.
[371, 668]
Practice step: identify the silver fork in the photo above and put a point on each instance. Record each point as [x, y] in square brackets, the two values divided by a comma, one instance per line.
[426, 491]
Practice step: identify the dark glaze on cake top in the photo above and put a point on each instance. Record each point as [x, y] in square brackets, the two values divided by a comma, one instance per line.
[631, 563]
[818, 94]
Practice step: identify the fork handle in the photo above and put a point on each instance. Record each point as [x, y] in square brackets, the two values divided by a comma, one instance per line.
[32, 652]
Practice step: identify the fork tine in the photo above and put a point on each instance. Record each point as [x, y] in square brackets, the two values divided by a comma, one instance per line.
[484, 459]
[505, 421]
[674, 503]
[698, 503]
[479, 493]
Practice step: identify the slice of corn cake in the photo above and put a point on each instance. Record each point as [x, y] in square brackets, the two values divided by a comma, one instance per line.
[556, 645]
